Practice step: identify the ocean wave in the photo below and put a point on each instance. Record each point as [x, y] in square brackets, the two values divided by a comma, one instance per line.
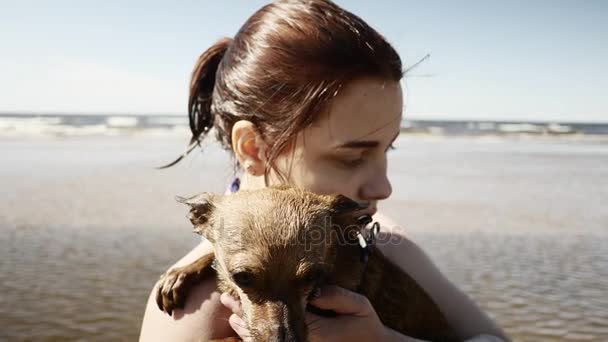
[559, 129]
[7, 123]
[520, 128]
[122, 121]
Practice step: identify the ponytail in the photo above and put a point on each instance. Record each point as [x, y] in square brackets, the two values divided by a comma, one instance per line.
[201, 90]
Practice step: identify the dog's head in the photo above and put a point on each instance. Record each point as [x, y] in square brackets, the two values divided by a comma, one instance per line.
[274, 247]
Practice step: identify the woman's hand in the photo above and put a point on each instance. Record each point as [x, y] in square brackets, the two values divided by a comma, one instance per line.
[356, 321]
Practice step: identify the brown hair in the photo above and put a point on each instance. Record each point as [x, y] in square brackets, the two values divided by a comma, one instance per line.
[281, 70]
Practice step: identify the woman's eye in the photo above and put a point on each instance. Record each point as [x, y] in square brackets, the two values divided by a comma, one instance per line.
[390, 147]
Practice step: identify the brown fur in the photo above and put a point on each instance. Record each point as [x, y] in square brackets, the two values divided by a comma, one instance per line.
[289, 241]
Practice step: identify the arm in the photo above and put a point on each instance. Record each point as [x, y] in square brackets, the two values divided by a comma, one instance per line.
[466, 318]
[206, 317]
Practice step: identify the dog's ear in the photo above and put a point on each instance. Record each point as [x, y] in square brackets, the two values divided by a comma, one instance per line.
[201, 207]
[341, 204]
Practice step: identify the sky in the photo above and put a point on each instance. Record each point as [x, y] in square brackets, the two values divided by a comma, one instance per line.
[489, 60]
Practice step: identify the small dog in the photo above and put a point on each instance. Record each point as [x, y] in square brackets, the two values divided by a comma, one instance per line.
[275, 246]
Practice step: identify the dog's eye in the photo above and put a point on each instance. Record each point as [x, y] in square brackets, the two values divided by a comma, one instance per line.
[243, 279]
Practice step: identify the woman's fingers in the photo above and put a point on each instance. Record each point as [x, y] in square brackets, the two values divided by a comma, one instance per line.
[342, 301]
[231, 303]
[238, 325]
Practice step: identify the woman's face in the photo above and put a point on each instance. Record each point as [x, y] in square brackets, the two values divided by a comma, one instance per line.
[345, 150]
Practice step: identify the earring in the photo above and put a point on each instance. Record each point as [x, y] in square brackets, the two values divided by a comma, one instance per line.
[249, 166]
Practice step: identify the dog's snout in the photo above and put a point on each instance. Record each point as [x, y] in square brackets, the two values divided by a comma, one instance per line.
[288, 322]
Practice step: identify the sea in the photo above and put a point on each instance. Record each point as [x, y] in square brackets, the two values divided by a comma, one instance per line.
[514, 213]
[89, 124]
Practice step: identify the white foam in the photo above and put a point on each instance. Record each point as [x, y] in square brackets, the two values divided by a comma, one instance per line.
[14, 122]
[520, 128]
[559, 129]
[121, 121]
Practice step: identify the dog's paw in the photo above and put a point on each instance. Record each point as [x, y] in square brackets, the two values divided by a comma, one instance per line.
[172, 289]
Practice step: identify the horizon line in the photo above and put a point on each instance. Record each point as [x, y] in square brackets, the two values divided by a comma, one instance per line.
[411, 117]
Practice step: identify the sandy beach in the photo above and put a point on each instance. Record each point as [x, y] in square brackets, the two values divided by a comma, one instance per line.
[88, 224]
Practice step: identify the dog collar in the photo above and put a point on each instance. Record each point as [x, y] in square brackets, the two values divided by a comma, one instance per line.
[367, 239]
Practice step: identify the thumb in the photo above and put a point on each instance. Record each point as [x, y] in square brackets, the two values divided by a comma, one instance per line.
[231, 303]
[342, 301]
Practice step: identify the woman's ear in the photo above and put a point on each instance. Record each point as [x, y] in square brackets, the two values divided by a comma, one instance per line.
[249, 147]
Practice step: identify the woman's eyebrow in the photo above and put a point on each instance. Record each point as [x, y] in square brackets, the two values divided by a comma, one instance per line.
[363, 143]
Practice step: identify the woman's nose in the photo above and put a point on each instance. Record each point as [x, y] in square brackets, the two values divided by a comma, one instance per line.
[377, 187]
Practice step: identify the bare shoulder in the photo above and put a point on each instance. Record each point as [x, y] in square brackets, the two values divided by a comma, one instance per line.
[203, 317]
[463, 314]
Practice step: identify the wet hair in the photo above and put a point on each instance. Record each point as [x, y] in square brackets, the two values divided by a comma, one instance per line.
[281, 70]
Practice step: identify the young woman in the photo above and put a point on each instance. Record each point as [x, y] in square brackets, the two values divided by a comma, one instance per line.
[308, 94]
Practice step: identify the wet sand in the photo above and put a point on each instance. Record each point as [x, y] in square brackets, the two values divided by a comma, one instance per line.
[88, 225]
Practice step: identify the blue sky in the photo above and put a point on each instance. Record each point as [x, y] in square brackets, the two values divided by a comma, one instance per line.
[492, 60]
